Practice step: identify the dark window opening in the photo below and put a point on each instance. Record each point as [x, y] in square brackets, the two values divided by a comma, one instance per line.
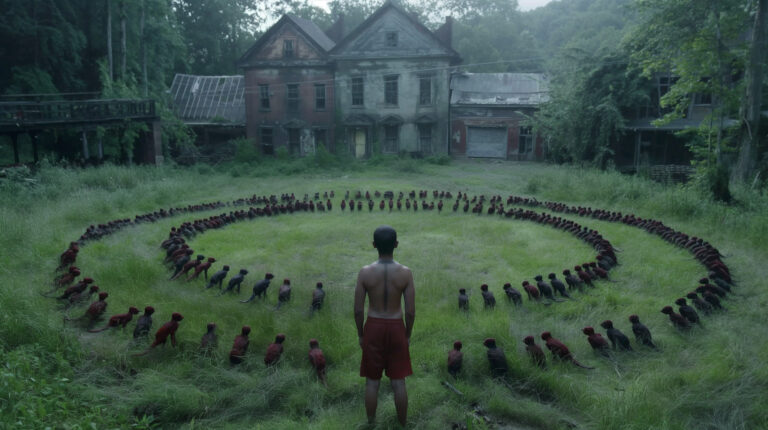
[264, 96]
[357, 91]
[425, 138]
[391, 138]
[320, 137]
[665, 85]
[390, 89]
[293, 97]
[320, 96]
[287, 48]
[702, 99]
[294, 141]
[425, 90]
[391, 39]
[266, 141]
[525, 140]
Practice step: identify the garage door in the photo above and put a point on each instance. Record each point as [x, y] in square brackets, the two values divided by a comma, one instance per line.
[487, 142]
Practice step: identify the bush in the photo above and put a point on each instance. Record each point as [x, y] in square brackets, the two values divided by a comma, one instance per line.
[439, 159]
[245, 150]
[282, 153]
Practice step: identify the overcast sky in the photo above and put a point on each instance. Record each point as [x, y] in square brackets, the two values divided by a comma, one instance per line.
[523, 4]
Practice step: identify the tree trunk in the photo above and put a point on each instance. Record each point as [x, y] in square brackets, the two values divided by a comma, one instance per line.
[751, 103]
[144, 50]
[124, 50]
[109, 40]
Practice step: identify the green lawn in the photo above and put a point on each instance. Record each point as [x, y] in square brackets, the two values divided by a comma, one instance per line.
[714, 377]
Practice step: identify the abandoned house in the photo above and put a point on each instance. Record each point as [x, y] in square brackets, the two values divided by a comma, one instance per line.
[289, 97]
[658, 148]
[392, 84]
[487, 113]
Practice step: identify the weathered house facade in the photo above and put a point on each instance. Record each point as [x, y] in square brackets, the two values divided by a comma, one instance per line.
[289, 97]
[487, 110]
[645, 145]
[392, 84]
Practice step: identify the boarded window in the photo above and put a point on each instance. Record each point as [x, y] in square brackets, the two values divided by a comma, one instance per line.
[267, 146]
[320, 96]
[390, 89]
[357, 91]
[425, 90]
[391, 39]
[391, 139]
[525, 140]
[293, 97]
[288, 48]
[425, 138]
[294, 141]
[264, 96]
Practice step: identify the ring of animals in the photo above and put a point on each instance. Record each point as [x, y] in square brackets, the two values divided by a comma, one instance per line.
[194, 244]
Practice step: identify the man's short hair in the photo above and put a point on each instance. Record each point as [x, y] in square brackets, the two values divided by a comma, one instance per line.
[384, 239]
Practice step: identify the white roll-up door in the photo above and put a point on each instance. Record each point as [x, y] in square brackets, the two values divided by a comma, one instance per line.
[487, 142]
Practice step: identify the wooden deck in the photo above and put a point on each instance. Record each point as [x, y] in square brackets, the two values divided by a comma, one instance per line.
[26, 116]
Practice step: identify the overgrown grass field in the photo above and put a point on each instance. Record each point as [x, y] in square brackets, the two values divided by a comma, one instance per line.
[56, 375]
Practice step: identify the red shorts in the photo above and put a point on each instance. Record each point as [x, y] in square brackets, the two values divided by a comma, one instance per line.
[385, 347]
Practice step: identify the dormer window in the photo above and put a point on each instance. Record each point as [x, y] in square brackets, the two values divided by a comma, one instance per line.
[391, 39]
[288, 48]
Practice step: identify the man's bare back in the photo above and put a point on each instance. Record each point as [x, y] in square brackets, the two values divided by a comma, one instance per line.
[384, 282]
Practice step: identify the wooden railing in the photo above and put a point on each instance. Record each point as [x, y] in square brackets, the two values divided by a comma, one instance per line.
[26, 114]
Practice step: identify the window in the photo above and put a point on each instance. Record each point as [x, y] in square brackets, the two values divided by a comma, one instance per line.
[391, 39]
[525, 140]
[287, 48]
[266, 140]
[702, 99]
[320, 138]
[320, 96]
[294, 140]
[264, 96]
[391, 134]
[425, 90]
[293, 97]
[665, 84]
[390, 89]
[425, 138]
[357, 91]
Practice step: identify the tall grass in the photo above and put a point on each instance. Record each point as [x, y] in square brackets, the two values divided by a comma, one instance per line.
[712, 378]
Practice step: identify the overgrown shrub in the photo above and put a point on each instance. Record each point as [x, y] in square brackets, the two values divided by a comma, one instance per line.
[245, 150]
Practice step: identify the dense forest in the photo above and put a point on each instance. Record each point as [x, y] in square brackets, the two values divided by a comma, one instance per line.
[600, 56]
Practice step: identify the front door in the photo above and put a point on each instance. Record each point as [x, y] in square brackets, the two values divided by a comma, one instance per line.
[359, 142]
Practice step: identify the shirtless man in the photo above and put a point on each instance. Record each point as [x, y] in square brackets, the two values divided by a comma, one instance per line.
[385, 339]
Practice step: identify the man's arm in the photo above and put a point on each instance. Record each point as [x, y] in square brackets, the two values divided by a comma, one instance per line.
[359, 306]
[409, 296]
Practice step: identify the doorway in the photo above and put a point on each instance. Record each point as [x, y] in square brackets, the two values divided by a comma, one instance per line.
[359, 142]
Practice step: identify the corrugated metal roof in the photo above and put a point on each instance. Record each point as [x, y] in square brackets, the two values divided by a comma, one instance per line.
[499, 89]
[314, 32]
[209, 99]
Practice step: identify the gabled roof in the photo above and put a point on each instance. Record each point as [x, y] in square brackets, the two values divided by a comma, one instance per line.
[389, 5]
[314, 32]
[209, 99]
[309, 29]
[501, 89]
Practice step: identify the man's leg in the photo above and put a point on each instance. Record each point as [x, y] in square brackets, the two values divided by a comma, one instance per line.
[371, 397]
[401, 400]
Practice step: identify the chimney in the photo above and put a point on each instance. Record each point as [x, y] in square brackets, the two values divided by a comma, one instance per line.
[445, 32]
